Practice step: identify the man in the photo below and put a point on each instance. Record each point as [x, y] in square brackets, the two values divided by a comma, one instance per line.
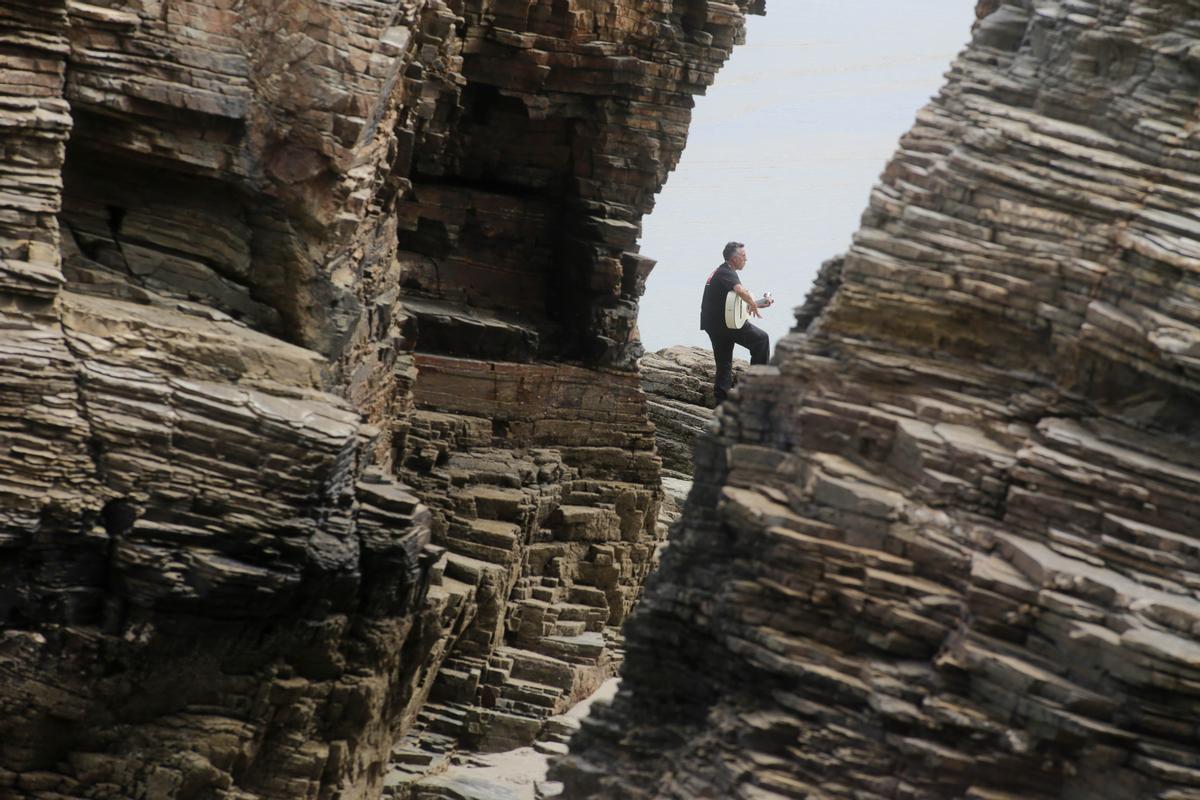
[721, 282]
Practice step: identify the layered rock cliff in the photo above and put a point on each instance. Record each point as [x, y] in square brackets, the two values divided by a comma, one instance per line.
[316, 386]
[678, 382]
[946, 546]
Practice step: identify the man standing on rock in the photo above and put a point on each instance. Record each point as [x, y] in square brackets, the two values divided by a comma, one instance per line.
[720, 283]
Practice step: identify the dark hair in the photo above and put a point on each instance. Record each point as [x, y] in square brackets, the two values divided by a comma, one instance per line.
[730, 249]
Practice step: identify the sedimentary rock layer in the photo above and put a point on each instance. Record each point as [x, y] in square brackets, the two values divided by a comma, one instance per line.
[946, 546]
[316, 376]
[678, 382]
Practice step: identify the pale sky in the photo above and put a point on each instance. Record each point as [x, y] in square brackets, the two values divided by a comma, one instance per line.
[784, 149]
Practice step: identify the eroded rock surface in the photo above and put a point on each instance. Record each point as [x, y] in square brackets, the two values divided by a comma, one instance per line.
[678, 382]
[946, 547]
[316, 375]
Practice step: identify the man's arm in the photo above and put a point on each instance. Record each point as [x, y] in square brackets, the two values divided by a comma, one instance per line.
[751, 306]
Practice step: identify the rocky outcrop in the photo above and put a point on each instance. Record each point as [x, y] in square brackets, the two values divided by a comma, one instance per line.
[549, 530]
[316, 381]
[678, 382]
[945, 547]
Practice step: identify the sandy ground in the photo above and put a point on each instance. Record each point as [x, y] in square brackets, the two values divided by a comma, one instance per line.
[513, 775]
[605, 694]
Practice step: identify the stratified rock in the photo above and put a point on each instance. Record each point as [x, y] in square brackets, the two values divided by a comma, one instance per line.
[945, 547]
[678, 382]
[550, 531]
[317, 387]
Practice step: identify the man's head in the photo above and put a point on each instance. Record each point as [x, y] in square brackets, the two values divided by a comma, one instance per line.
[735, 254]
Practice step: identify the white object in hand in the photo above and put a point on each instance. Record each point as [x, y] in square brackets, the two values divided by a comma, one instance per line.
[736, 311]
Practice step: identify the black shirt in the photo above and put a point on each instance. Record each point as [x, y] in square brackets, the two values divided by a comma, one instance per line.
[712, 308]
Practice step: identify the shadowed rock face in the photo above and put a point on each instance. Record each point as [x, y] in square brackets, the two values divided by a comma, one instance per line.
[946, 546]
[316, 376]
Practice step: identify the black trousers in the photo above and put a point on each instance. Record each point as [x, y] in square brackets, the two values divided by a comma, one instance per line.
[752, 338]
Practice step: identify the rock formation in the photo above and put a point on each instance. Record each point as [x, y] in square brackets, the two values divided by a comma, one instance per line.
[946, 547]
[317, 396]
[678, 382]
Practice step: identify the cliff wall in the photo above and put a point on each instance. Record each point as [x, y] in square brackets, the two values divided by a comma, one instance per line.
[946, 546]
[316, 386]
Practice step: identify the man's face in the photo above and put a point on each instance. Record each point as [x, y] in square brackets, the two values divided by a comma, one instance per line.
[738, 259]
